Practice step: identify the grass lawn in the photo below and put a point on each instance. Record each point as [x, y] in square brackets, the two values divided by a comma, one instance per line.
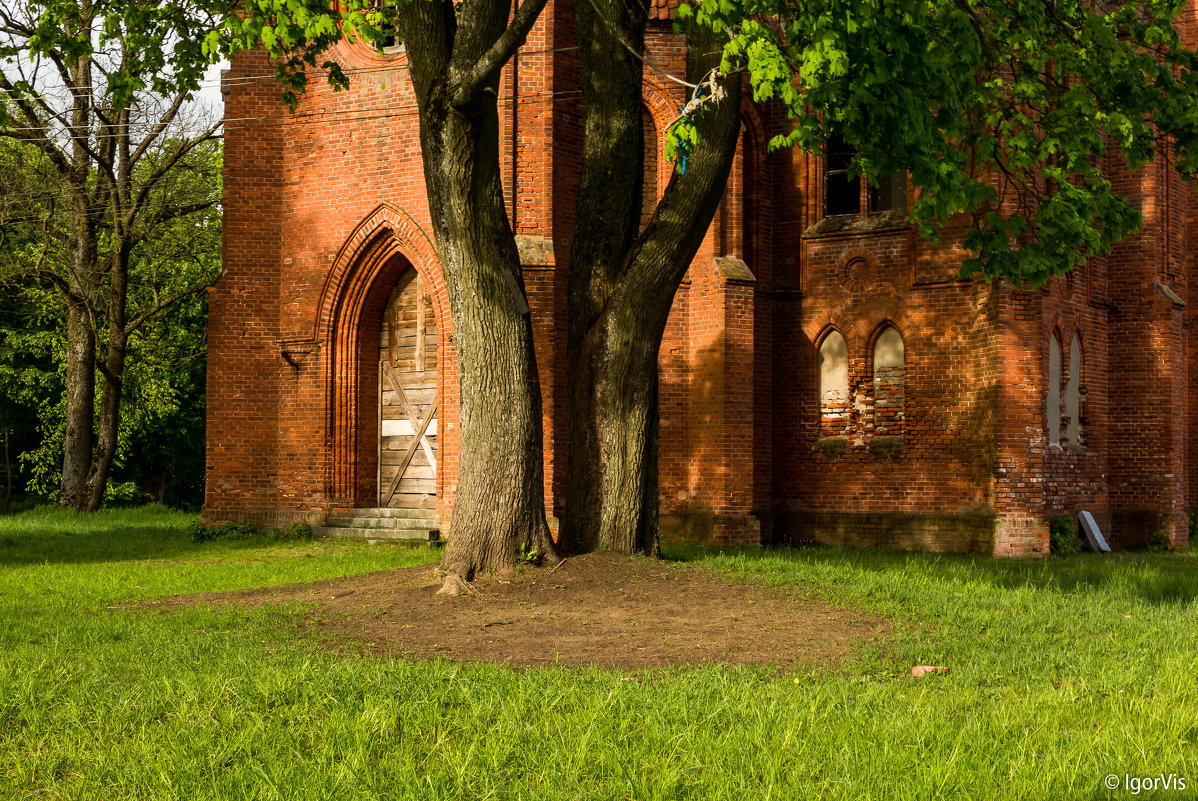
[1062, 673]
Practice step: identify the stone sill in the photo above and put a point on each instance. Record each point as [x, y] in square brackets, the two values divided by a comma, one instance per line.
[854, 224]
[878, 448]
[1068, 449]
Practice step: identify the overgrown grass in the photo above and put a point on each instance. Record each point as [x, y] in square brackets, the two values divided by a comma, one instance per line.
[1062, 673]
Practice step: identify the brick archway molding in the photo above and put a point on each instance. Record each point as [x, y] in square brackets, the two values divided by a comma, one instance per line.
[382, 246]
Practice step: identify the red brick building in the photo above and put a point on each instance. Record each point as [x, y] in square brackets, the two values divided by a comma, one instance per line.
[824, 376]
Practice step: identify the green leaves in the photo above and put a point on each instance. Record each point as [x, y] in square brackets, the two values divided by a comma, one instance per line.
[160, 47]
[298, 32]
[1002, 111]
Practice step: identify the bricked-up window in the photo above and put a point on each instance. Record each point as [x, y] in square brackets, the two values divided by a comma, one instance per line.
[1053, 401]
[890, 375]
[834, 403]
[1073, 393]
[842, 192]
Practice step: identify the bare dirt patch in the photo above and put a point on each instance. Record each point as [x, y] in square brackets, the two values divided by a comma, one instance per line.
[600, 609]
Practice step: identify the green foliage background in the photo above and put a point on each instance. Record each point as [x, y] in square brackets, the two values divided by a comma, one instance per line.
[161, 450]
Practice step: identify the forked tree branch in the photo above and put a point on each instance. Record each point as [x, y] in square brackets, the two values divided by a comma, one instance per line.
[465, 86]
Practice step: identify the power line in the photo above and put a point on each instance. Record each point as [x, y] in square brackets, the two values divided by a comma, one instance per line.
[407, 110]
[66, 91]
[305, 118]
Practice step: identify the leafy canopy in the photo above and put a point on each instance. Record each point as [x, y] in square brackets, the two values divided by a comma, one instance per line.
[1011, 111]
[162, 44]
[297, 33]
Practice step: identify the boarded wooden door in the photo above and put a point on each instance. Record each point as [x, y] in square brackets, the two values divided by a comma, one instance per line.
[408, 398]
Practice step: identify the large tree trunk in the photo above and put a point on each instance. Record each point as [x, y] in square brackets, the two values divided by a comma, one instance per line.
[499, 509]
[622, 284]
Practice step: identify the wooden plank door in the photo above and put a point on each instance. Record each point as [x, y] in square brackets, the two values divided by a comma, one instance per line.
[408, 398]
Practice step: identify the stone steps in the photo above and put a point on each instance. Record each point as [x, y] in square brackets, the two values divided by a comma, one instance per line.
[376, 534]
[382, 525]
[380, 522]
[425, 514]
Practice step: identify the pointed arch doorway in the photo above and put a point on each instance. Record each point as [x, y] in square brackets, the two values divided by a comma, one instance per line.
[408, 402]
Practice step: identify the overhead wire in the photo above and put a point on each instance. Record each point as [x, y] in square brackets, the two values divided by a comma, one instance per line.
[271, 77]
[293, 119]
[336, 116]
[332, 117]
[66, 91]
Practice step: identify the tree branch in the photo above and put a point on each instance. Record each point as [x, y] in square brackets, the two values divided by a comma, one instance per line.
[140, 320]
[167, 118]
[39, 136]
[151, 180]
[464, 87]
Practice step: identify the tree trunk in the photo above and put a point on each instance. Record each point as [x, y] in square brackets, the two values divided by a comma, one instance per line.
[622, 284]
[80, 402]
[499, 509]
[114, 371]
[80, 289]
[153, 482]
[109, 425]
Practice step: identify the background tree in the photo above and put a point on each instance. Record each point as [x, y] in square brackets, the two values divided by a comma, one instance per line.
[100, 92]
[159, 453]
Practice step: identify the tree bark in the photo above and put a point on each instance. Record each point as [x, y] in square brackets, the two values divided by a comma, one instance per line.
[622, 284]
[109, 424]
[499, 509]
[81, 286]
[80, 370]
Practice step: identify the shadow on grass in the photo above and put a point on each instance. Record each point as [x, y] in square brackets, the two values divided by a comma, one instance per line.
[1151, 577]
[51, 535]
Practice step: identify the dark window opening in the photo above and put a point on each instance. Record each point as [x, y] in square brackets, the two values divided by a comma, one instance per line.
[889, 195]
[842, 193]
[391, 44]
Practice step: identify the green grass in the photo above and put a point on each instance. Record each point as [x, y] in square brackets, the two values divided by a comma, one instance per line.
[1062, 673]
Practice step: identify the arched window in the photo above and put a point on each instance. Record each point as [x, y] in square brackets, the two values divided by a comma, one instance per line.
[1053, 401]
[1073, 393]
[834, 402]
[890, 371]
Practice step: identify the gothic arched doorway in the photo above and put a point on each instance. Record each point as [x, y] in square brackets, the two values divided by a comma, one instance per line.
[408, 403]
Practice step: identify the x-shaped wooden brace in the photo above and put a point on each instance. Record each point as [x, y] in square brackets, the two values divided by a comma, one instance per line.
[419, 440]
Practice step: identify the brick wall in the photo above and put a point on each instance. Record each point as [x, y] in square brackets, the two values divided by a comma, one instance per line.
[244, 368]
